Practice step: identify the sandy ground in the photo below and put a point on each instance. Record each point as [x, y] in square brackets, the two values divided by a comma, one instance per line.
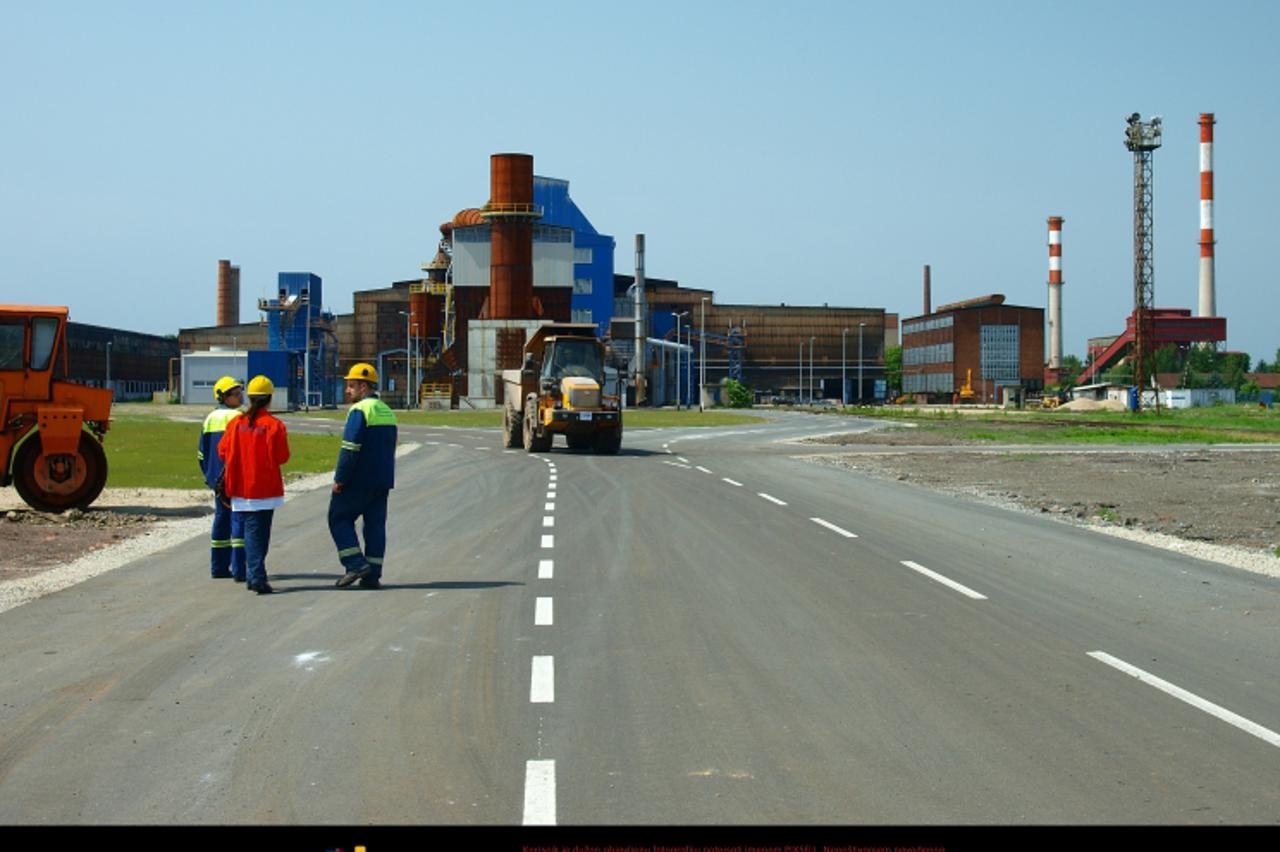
[1219, 502]
[42, 553]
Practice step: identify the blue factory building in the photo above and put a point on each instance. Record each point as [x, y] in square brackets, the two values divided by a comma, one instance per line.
[592, 299]
[298, 325]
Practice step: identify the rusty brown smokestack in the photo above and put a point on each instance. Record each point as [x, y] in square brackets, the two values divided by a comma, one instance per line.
[228, 302]
[511, 214]
[928, 297]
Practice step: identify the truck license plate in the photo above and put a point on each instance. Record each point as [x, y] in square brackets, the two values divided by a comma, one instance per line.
[585, 415]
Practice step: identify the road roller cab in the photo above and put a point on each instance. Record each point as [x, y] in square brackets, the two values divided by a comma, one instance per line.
[50, 431]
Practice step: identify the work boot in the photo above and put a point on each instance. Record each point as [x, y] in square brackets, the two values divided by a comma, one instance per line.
[220, 575]
[351, 576]
[370, 583]
[262, 589]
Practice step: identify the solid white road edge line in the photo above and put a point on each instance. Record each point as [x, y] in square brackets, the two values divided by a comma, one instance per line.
[542, 685]
[543, 612]
[546, 569]
[1264, 734]
[771, 499]
[933, 575]
[540, 792]
[833, 528]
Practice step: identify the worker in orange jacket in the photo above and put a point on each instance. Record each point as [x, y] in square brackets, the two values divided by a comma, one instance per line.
[254, 446]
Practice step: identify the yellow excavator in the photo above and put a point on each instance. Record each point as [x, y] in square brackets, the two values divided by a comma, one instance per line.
[966, 394]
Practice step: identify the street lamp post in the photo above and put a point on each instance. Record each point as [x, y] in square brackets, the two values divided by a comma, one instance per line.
[677, 315]
[800, 375]
[417, 363]
[844, 382]
[811, 396]
[861, 326]
[702, 358]
[408, 362]
[108, 365]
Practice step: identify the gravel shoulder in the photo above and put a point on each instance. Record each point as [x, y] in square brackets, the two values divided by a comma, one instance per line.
[42, 553]
[1215, 502]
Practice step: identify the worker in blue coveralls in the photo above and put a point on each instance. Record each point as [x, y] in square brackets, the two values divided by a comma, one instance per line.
[226, 545]
[365, 474]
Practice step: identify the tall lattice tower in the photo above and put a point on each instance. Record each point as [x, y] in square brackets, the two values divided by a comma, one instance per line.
[1142, 138]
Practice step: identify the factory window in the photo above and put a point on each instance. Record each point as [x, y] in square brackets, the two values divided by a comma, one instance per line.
[581, 315]
[937, 353]
[582, 286]
[928, 325]
[552, 234]
[582, 255]
[927, 383]
[1000, 353]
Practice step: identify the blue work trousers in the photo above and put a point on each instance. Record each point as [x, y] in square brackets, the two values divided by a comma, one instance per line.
[226, 545]
[257, 539]
[344, 508]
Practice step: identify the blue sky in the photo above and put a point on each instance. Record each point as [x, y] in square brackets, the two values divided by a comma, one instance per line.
[807, 152]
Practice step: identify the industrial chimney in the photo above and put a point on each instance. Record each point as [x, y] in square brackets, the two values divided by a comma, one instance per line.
[511, 214]
[928, 297]
[1208, 296]
[228, 302]
[639, 365]
[1055, 292]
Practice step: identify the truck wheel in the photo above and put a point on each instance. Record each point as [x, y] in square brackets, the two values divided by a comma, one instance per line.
[51, 483]
[533, 442]
[511, 428]
[608, 443]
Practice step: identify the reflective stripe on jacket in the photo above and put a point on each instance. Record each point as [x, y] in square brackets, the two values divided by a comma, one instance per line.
[367, 459]
[210, 436]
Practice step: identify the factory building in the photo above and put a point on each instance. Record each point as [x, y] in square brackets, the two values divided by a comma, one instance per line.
[133, 364]
[983, 343]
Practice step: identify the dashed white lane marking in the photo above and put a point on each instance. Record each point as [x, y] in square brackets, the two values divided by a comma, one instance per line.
[548, 541]
[677, 464]
[546, 569]
[549, 507]
[433, 443]
[551, 495]
[1264, 734]
[553, 477]
[771, 499]
[548, 521]
[486, 449]
[703, 469]
[540, 792]
[833, 528]
[453, 445]
[542, 613]
[730, 481]
[933, 575]
[682, 459]
[508, 452]
[542, 685]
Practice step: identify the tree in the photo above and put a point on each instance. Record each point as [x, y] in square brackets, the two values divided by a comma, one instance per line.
[1070, 370]
[1168, 359]
[738, 394]
[893, 369]
[1202, 359]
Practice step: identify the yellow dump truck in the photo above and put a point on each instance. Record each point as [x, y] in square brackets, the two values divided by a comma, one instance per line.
[560, 391]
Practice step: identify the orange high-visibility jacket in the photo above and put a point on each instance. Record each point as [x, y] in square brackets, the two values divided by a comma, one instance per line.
[253, 455]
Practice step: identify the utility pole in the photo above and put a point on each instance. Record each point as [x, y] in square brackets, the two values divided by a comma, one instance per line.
[811, 396]
[844, 381]
[702, 359]
[861, 326]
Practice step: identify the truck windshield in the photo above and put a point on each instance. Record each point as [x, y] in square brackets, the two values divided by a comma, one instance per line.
[572, 358]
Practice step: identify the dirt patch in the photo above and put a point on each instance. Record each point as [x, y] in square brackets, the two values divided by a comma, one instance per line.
[32, 542]
[1215, 495]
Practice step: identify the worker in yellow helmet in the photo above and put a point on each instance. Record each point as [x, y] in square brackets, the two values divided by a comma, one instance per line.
[363, 479]
[226, 545]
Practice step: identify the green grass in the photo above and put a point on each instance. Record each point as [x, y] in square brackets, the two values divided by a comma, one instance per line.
[145, 452]
[1220, 424]
[1108, 514]
[634, 417]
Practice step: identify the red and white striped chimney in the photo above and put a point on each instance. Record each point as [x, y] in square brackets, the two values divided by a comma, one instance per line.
[1208, 299]
[1055, 292]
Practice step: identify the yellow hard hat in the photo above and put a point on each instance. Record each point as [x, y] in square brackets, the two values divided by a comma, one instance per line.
[261, 386]
[362, 373]
[224, 386]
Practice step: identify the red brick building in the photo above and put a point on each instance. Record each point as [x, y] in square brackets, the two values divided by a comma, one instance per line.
[998, 345]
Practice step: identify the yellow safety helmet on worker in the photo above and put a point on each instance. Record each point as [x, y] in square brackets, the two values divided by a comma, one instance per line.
[261, 386]
[224, 386]
[361, 373]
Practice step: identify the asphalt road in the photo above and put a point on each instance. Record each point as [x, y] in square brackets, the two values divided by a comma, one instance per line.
[700, 630]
